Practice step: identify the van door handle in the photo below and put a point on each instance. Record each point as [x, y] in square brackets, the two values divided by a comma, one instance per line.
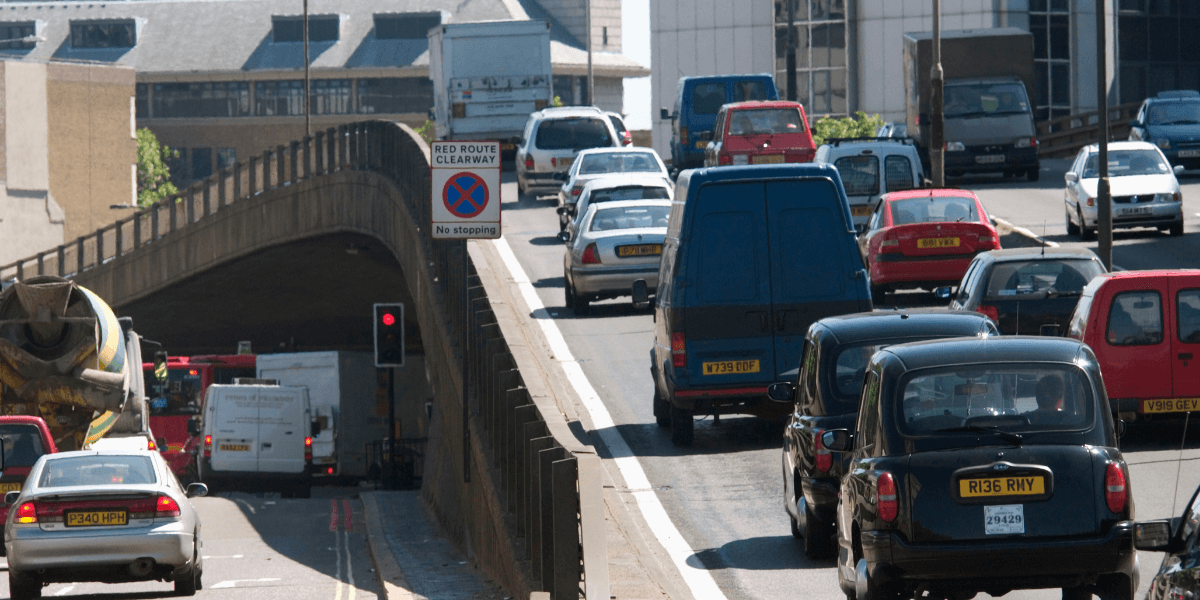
[781, 320]
[762, 318]
[1185, 356]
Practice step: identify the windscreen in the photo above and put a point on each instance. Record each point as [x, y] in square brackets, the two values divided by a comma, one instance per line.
[97, 470]
[1122, 163]
[1001, 396]
[982, 100]
[618, 162]
[860, 174]
[22, 444]
[178, 395]
[1173, 113]
[762, 121]
[749, 90]
[573, 134]
[934, 209]
[1012, 280]
[630, 193]
[630, 217]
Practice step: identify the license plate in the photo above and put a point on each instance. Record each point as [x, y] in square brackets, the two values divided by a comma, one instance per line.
[94, 518]
[701, 145]
[766, 159]
[1189, 153]
[992, 487]
[860, 211]
[946, 242]
[1168, 405]
[9, 487]
[507, 147]
[988, 159]
[565, 162]
[730, 367]
[1140, 210]
[639, 250]
[1004, 519]
[234, 447]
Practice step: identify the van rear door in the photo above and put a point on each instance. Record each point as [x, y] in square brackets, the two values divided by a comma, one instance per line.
[1185, 336]
[727, 316]
[1130, 342]
[813, 260]
[282, 427]
[235, 434]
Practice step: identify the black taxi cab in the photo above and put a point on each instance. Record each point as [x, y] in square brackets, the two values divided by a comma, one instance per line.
[984, 465]
[825, 396]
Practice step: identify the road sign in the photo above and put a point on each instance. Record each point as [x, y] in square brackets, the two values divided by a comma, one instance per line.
[465, 178]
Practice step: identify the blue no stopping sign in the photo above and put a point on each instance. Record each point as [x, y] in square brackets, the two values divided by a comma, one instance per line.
[465, 195]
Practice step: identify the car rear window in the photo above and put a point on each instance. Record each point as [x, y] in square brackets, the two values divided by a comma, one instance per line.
[573, 134]
[1002, 396]
[617, 124]
[860, 174]
[1041, 277]
[1174, 113]
[630, 217]
[630, 193]
[850, 366]
[618, 162]
[22, 444]
[934, 209]
[1135, 319]
[707, 98]
[898, 172]
[763, 121]
[98, 470]
[1188, 305]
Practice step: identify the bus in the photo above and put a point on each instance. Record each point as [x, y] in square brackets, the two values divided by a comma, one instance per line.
[181, 397]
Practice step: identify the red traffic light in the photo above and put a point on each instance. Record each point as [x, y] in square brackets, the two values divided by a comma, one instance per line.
[388, 319]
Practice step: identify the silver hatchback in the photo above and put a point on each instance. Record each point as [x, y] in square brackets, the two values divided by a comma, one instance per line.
[616, 244]
[552, 138]
[113, 516]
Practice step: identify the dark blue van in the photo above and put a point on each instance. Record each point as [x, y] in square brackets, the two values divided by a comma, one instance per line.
[753, 256]
[697, 101]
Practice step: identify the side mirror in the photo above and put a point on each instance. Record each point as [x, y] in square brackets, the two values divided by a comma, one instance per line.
[781, 392]
[942, 293]
[563, 210]
[1121, 427]
[1071, 177]
[315, 428]
[193, 427]
[838, 440]
[10, 498]
[564, 236]
[641, 294]
[1153, 536]
[860, 228]
[1177, 169]
[664, 114]
[196, 489]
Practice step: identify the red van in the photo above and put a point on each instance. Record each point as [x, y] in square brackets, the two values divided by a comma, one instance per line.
[1144, 327]
[760, 132]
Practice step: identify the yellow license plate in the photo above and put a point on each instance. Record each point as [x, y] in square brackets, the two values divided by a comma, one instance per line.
[730, 367]
[1021, 485]
[1168, 405]
[860, 211]
[235, 448]
[506, 147]
[640, 250]
[701, 145]
[9, 487]
[766, 159]
[94, 518]
[946, 242]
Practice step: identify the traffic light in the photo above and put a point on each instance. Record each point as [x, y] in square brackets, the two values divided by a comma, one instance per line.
[389, 335]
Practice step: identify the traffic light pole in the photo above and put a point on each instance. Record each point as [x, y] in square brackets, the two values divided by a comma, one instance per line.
[466, 420]
[391, 400]
[1104, 228]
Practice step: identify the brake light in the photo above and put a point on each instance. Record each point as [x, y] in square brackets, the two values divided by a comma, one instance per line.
[207, 446]
[823, 458]
[529, 163]
[150, 445]
[1114, 488]
[553, 161]
[166, 507]
[889, 246]
[575, 191]
[308, 449]
[329, 471]
[627, 138]
[724, 159]
[678, 350]
[1091, 201]
[885, 493]
[683, 135]
[991, 312]
[27, 513]
[590, 255]
[989, 240]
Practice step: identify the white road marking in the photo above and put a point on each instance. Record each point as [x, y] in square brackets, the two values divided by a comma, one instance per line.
[247, 505]
[230, 583]
[699, 581]
[64, 591]
[350, 589]
[337, 544]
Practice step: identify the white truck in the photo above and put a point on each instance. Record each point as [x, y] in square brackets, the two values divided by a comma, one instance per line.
[488, 77]
[342, 390]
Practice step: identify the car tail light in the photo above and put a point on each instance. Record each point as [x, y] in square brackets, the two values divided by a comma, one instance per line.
[207, 446]
[329, 471]
[590, 255]
[166, 507]
[678, 350]
[683, 135]
[575, 191]
[1027, 142]
[991, 312]
[823, 458]
[627, 138]
[27, 514]
[724, 159]
[150, 445]
[308, 449]
[1091, 201]
[889, 246]
[1114, 488]
[989, 240]
[885, 493]
[529, 163]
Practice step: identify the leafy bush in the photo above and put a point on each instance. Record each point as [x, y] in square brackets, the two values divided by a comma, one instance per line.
[153, 174]
[428, 131]
[862, 125]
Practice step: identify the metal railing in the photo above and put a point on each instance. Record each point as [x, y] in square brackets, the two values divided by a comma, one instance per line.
[397, 467]
[1064, 136]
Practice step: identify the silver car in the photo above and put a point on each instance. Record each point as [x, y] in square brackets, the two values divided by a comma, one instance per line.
[1142, 184]
[622, 186]
[617, 243]
[113, 516]
[602, 162]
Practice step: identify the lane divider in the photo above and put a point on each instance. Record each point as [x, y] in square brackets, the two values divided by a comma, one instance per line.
[333, 520]
[699, 581]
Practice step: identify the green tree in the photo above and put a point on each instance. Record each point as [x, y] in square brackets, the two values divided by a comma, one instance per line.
[862, 125]
[153, 174]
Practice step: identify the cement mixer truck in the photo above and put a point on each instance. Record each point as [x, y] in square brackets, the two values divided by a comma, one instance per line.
[65, 357]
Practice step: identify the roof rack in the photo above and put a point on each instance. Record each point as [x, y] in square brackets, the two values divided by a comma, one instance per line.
[551, 109]
[1175, 94]
[899, 140]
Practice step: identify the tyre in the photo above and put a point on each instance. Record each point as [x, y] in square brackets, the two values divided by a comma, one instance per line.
[877, 293]
[683, 426]
[23, 585]
[865, 589]
[187, 583]
[818, 541]
[795, 527]
[304, 491]
[568, 293]
[1033, 174]
[1076, 593]
[1072, 228]
[1085, 233]
[576, 302]
[1176, 230]
[1114, 586]
[521, 191]
[662, 410]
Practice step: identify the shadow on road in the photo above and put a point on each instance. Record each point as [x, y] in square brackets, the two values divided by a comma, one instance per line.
[768, 553]
[734, 433]
[1161, 435]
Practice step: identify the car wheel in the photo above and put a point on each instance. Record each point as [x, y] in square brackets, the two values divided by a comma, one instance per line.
[304, 491]
[23, 585]
[662, 410]
[1076, 593]
[187, 583]
[521, 190]
[1115, 586]
[683, 426]
[1085, 233]
[877, 293]
[818, 541]
[1176, 230]
[865, 589]
[1072, 228]
[795, 527]
[1033, 174]
[579, 303]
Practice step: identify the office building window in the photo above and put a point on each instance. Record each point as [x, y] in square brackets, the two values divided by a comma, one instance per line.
[202, 165]
[1050, 24]
[821, 62]
[279, 98]
[329, 97]
[392, 95]
[1154, 47]
[227, 157]
[141, 101]
[201, 99]
[13, 32]
[321, 28]
[405, 26]
[103, 34]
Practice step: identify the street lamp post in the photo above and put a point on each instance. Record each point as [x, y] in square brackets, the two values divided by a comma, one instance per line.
[587, 24]
[937, 141]
[791, 50]
[307, 91]
[1104, 229]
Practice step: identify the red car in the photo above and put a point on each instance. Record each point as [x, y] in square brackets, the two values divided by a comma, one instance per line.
[924, 239]
[760, 132]
[25, 440]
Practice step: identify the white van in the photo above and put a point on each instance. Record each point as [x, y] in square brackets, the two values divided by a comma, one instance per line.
[872, 167]
[257, 436]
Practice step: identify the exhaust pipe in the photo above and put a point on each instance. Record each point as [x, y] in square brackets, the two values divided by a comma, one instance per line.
[141, 567]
